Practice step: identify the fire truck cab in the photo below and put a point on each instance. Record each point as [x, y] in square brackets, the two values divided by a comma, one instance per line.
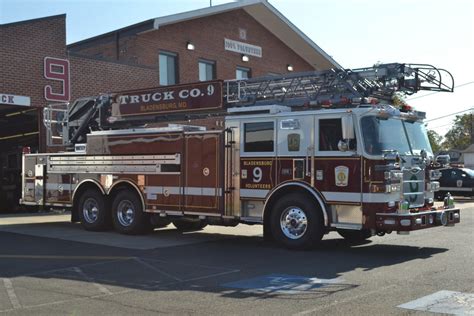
[336, 157]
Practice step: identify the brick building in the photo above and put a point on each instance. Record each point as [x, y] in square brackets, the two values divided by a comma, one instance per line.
[248, 38]
[231, 40]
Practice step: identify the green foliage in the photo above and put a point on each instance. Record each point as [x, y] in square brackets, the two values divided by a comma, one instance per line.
[435, 141]
[459, 136]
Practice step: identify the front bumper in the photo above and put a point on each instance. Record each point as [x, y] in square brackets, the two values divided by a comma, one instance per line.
[416, 221]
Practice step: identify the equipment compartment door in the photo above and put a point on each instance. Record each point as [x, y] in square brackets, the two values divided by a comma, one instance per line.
[39, 184]
[203, 185]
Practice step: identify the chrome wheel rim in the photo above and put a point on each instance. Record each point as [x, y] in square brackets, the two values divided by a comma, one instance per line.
[90, 210]
[125, 213]
[293, 222]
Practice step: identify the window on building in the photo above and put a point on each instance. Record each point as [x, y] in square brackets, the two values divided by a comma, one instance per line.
[259, 137]
[330, 133]
[242, 73]
[168, 68]
[207, 70]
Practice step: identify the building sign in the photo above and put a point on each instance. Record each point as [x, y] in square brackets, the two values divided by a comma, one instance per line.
[14, 99]
[243, 48]
[169, 99]
[58, 70]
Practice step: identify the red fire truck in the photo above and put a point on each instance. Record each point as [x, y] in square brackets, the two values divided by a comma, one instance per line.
[302, 154]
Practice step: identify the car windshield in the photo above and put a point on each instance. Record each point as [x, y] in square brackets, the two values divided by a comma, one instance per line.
[382, 135]
[470, 172]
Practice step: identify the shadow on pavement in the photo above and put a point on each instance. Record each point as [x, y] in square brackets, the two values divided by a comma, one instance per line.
[202, 267]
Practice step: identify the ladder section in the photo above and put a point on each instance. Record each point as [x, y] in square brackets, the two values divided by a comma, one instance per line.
[55, 118]
[323, 87]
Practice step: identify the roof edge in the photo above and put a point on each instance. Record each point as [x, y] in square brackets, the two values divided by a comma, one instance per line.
[300, 33]
[203, 12]
[63, 15]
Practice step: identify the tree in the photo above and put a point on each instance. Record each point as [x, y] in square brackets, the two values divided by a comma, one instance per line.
[435, 141]
[459, 136]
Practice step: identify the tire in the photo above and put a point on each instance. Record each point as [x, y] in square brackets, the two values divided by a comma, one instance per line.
[189, 226]
[355, 236]
[297, 222]
[93, 212]
[128, 216]
[159, 222]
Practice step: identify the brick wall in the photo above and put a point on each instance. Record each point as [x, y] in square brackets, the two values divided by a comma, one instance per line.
[24, 45]
[23, 48]
[207, 34]
[90, 76]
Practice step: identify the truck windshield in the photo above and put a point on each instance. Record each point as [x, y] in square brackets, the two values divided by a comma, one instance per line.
[381, 135]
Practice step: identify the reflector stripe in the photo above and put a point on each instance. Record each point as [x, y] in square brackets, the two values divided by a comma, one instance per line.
[356, 197]
[152, 192]
[456, 189]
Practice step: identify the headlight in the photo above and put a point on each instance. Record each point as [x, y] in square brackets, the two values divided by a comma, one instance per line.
[435, 174]
[389, 188]
[432, 186]
[393, 175]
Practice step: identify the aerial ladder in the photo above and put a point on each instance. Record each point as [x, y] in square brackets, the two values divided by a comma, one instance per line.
[68, 124]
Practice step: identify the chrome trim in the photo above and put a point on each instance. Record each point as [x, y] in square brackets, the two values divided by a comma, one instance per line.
[420, 213]
[56, 204]
[204, 132]
[29, 203]
[98, 185]
[203, 214]
[293, 222]
[309, 189]
[176, 213]
[347, 226]
[152, 130]
[23, 177]
[248, 219]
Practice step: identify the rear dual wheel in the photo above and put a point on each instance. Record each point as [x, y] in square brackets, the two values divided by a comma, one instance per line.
[128, 216]
[93, 212]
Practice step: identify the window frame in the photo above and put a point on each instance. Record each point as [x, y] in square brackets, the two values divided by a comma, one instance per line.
[176, 66]
[326, 153]
[207, 62]
[244, 153]
[242, 68]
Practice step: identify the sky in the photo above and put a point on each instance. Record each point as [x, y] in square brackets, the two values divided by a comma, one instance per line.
[356, 33]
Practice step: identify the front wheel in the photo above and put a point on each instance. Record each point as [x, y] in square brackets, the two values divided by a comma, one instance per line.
[127, 214]
[297, 222]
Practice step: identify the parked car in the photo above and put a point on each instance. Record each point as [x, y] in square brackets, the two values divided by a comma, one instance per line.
[457, 181]
[443, 160]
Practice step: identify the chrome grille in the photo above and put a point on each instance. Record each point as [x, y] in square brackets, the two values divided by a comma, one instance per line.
[414, 186]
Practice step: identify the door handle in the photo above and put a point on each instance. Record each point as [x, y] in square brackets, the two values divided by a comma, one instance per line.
[308, 152]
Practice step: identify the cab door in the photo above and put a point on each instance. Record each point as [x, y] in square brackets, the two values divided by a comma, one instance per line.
[338, 173]
[295, 150]
[258, 168]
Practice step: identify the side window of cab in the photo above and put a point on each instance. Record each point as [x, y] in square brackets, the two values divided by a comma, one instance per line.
[330, 133]
[259, 137]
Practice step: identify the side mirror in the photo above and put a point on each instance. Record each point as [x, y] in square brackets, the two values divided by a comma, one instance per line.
[343, 145]
[347, 127]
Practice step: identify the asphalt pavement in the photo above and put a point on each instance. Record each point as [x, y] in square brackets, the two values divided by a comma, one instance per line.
[49, 266]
